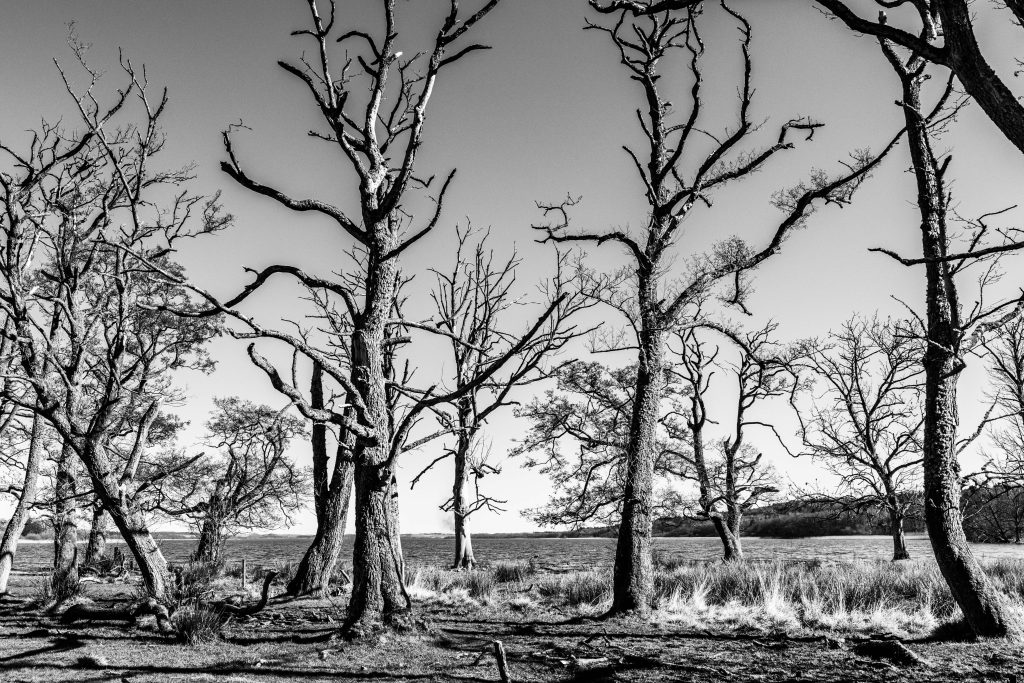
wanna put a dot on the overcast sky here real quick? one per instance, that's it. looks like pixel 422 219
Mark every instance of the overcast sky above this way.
pixel 543 114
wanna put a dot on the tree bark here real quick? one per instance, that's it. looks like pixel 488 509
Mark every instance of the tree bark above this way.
pixel 978 78
pixel 29 490
pixel 378 595
pixel 464 558
pixel 65 529
pixel 633 581
pixel 899 541
pixel 974 593
pixel 97 547
pixel 128 519
pixel 331 496
pixel 211 542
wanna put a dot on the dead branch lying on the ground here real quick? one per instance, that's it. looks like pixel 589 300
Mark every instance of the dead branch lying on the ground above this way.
pixel 151 606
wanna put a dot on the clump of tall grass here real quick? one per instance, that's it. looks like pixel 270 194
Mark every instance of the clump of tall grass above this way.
pixel 198 624
pixel 191 584
pixel 514 572
pixel 576 589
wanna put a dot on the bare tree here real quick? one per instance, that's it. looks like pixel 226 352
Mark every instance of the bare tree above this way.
pixel 678 177
pixel 737 479
pixel 81 321
pixel 473 301
pixel 251 485
pixel 381 144
pixel 950 333
pixel 865 417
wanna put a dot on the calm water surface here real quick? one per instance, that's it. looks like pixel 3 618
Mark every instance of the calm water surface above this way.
pixel 552 553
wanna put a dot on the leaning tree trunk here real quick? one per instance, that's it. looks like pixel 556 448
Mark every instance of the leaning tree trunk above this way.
pixel 65 528
pixel 331 498
pixel 378 595
pixel 29 489
pixel 971 588
pixel 127 518
pixel 97 547
pixel 633 581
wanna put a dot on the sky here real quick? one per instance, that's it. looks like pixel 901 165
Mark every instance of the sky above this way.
pixel 541 115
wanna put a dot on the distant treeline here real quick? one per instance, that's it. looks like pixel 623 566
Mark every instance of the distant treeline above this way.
pixel 789 519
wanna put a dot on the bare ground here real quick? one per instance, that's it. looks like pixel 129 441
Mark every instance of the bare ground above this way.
pixel 298 640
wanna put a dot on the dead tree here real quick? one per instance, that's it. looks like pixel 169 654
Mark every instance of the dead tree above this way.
pixel 80 311
pixel 678 177
pixel 950 333
pixel 946 37
pixel 864 418
pixel 380 143
pixel 736 479
pixel 472 301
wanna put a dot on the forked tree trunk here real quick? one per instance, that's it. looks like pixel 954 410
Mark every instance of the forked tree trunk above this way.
pixel 97 547
pixel 633 581
pixel 129 520
pixel 65 527
pixel 331 496
pixel 972 590
pixel 729 533
pixel 29 489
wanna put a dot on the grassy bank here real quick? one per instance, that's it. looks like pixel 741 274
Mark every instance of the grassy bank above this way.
pixel 903 598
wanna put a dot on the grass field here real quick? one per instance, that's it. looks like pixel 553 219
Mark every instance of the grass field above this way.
pixel 769 621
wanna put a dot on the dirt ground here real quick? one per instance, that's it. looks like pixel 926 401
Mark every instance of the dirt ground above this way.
pixel 298 640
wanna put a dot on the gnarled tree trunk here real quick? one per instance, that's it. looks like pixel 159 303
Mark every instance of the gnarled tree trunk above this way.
pixel 29 489
pixel 633 581
pixel 464 558
pixel 211 542
pixel 97 547
pixel 378 589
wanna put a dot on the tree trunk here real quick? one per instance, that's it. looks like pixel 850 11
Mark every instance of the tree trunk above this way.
pixel 29 489
pixel 633 581
pixel 129 520
pixel 732 547
pixel 65 529
pixel 899 541
pixel 378 595
pixel 972 590
pixel 211 541
pixel 378 592
pixel 314 573
pixel 464 558
pixel 331 496
pixel 97 547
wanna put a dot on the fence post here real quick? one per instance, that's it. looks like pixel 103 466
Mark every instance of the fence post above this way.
pixel 245 571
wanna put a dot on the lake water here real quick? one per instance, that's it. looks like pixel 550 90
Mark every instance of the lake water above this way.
pixel 551 553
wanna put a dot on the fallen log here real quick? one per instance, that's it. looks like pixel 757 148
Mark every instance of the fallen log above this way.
pixel 230 610
pixel 147 607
